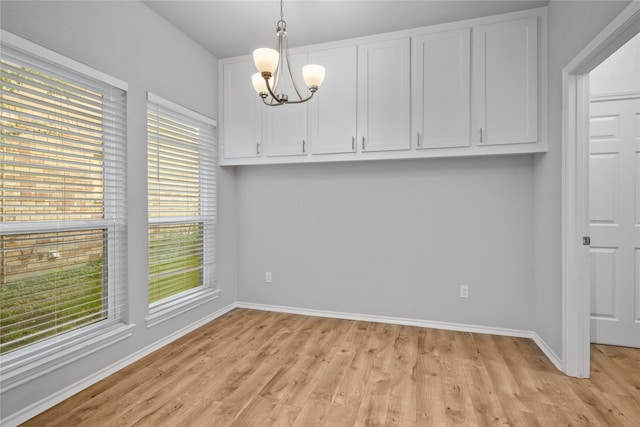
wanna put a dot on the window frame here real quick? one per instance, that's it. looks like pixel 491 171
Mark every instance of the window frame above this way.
pixel 177 304
pixel 26 363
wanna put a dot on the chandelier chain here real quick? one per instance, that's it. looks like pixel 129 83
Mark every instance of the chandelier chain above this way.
pixel 282 24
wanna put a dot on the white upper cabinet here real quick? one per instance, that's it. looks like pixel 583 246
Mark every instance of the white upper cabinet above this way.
pixel 384 95
pixel 506 82
pixel 285 126
pixel 241 130
pixel 332 111
pixel 441 95
pixel 469 88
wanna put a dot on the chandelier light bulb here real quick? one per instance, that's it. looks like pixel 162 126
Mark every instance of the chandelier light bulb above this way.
pixel 259 83
pixel 266 59
pixel 313 75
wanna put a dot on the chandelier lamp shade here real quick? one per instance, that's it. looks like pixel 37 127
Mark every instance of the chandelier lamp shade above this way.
pixel 274 64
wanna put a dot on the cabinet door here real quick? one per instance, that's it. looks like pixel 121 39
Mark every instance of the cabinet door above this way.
pixel 286 125
pixel 384 95
pixel 441 97
pixel 242 115
pixel 506 83
pixel 332 112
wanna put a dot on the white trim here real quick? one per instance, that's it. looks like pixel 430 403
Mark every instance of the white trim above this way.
pixel 620 96
pixel 24 227
pixel 449 326
pixel 24 45
pixel 52 400
pixel 575 295
pixel 25 369
pixel 172 307
pixel 167 220
pixel 460 327
pixel 155 99
pixel 575 119
pixel 551 355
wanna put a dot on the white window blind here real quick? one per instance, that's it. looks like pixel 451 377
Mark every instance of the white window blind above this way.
pixel 62 201
pixel 182 200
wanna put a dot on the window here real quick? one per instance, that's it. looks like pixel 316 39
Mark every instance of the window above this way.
pixel 62 201
pixel 182 203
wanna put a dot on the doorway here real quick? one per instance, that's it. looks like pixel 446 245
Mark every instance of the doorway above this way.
pixel 576 289
pixel 614 197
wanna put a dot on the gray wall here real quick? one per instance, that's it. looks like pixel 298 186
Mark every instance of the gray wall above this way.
pixel 572 25
pixel 129 42
pixel 391 238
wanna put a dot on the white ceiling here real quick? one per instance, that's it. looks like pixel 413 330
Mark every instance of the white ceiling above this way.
pixel 236 27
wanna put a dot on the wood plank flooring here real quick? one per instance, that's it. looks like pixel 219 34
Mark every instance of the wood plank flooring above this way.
pixel 258 368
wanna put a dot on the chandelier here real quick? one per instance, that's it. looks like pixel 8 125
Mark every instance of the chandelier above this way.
pixel 271 66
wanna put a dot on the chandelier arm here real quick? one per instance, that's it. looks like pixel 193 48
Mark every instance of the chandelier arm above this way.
pixel 293 80
pixel 273 95
pixel 301 100
pixel 271 104
pixel 277 72
pixel 275 101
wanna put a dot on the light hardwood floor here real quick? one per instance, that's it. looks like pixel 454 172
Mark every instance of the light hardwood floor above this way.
pixel 258 368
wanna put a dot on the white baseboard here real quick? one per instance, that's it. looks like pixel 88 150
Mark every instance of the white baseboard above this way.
pixel 52 400
pixel 460 327
pixel 557 362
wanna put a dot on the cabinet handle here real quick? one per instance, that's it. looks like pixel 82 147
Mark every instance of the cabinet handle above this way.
pixel 363 143
pixel 304 146
pixel 418 139
pixel 353 143
pixel 481 136
pixel 258 148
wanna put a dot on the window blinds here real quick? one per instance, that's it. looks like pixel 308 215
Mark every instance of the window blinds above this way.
pixel 182 199
pixel 62 194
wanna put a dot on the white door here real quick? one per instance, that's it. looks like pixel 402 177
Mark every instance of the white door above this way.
pixel 614 192
pixel 384 103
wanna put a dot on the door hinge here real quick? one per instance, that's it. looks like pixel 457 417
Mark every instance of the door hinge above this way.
pixel 586 241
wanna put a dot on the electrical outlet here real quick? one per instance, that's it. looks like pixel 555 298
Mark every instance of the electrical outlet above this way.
pixel 267 277
pixel 464 291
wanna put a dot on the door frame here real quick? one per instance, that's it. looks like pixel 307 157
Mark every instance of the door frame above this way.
pixel 576 292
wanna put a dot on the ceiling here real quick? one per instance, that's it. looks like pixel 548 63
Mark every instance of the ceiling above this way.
pixel 236 27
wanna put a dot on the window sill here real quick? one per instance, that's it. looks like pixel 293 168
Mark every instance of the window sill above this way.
pixel 164 311
pixel 25 365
